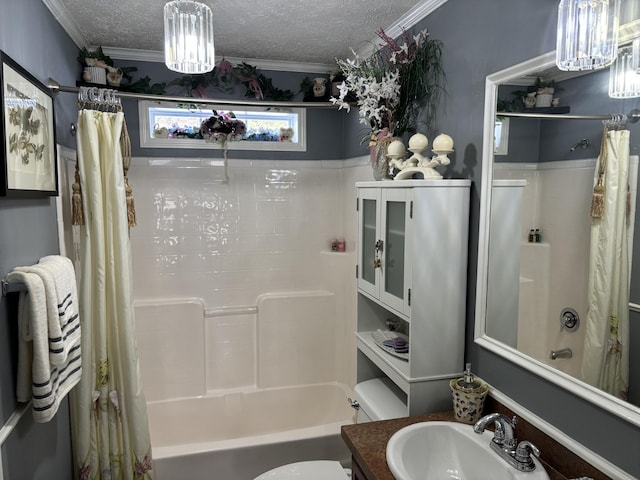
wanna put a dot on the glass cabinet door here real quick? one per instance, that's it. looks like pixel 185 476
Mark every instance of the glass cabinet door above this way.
pixel 383 224
pixel 394 249
pixel 395 225
pixel 368 240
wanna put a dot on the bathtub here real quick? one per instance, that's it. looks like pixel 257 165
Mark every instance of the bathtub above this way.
pixel 237 436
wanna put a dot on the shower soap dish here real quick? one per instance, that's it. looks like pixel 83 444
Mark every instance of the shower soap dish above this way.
pixel 468 397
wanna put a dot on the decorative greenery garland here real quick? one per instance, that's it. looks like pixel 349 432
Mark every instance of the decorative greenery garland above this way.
pixel 224 76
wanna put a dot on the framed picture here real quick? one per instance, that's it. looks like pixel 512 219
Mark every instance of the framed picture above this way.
pixel 28 164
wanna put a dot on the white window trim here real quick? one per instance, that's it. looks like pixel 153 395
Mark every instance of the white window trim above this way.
pixel 147 141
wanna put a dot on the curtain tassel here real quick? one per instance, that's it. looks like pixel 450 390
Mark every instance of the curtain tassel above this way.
pixel 77 211
pixel 597 200
pixel 125 146
pixel 131 207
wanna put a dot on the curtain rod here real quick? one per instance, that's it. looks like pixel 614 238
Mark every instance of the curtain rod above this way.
pixel 632 117
pixel 55 87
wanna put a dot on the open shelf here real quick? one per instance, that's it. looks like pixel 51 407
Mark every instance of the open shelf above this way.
pixel 396 368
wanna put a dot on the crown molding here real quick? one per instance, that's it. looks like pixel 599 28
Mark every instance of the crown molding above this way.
pixel 407 21
pixel 279 65
pixel 133 54
pixel 61 14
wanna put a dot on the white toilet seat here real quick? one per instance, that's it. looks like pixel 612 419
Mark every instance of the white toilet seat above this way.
pixel 312 470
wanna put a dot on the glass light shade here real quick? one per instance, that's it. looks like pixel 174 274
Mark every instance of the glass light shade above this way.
pixel 587 36
pixel 635 59
pixel 188 37
pixel 624 82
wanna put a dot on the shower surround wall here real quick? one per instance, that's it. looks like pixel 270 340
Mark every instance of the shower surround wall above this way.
pixel 234 282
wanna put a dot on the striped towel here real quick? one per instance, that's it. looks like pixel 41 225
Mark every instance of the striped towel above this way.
pixel 65 318
pixel 49 363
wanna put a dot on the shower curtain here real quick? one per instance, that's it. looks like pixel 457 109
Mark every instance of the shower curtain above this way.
pixel 606 354
pixel 108 410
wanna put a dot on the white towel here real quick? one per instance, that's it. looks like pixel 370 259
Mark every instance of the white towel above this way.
pixel 33 346
pixel 39 378
pixel 59 280
pixel 61 268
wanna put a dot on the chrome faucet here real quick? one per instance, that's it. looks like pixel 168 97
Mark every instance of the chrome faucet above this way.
pixel 505 443
pixel 562 353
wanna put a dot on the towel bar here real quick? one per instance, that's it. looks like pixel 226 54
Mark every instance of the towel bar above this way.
pixel 9 287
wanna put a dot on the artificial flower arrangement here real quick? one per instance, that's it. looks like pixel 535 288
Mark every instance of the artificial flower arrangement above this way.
pixel 393 86
pixel 221 127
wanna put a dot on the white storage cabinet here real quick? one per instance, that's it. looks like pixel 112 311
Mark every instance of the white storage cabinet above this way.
pixel 412 270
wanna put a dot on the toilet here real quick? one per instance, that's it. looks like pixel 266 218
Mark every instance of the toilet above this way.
pixel 313 470
pixel 374 400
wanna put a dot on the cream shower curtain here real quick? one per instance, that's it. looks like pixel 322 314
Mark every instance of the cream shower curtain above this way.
pixel 606 354
pixel 108 409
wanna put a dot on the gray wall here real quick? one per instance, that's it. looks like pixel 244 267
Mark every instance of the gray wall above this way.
pixel 30 35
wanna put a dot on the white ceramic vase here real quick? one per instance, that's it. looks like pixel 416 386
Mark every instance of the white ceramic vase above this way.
pixel 543 100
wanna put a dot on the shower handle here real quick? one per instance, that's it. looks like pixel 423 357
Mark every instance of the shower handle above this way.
pixel 569 319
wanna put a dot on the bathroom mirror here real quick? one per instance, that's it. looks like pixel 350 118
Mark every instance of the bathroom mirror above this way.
pixel 508 212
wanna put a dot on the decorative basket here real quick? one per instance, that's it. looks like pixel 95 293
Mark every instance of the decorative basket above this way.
pixel 468 402
pixel 96 75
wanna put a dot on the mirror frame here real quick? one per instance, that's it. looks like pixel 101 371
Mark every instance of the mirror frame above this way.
pixel 608 402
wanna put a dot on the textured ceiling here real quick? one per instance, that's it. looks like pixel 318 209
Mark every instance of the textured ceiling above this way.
pixel 303 31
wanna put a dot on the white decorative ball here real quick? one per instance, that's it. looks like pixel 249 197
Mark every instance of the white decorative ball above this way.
pixel 443 142
pixel 396 149
pixel 418 142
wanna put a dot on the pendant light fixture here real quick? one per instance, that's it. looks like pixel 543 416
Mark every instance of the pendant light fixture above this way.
pixel 587 37
pixel 188 37
pixel 624 81
pixel 635 59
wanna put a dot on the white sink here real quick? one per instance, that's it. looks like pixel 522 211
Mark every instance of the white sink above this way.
pixel 450 450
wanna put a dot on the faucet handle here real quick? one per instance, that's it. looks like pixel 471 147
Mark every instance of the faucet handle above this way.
pixel 498 434
pixel 524 450
pixel 505 431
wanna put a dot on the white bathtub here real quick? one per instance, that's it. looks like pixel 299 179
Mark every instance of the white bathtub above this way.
pixel 237 436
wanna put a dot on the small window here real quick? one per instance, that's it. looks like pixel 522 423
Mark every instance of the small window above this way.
pixel 177 125
pixel 501 136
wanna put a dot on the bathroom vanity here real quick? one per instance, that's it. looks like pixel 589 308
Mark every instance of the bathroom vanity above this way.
pixel 411 272
pixel 368 443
